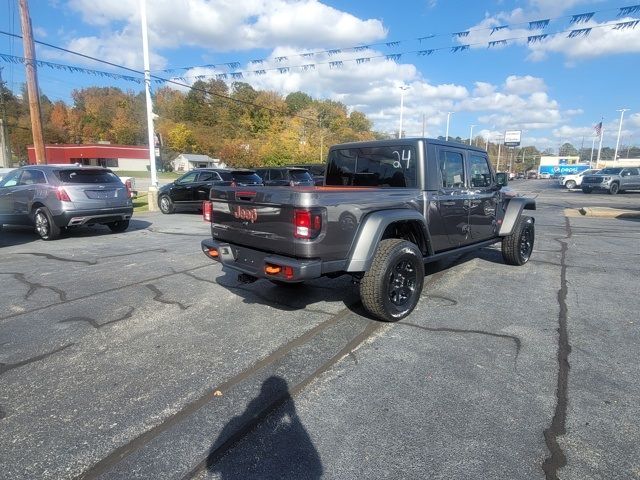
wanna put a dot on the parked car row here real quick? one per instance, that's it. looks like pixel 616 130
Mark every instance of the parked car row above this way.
pixel 192 188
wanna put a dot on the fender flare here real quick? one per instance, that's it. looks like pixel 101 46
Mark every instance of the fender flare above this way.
pixel 513 212
pixel 370 235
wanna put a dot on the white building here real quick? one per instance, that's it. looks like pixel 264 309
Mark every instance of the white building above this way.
pixel 188 161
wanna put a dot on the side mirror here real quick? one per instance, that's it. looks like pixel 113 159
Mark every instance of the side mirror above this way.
pixel 501 179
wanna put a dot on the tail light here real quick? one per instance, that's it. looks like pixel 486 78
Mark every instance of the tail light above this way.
pixel 127 185
pixel 307 223
pixel 62 195
pixel 207 211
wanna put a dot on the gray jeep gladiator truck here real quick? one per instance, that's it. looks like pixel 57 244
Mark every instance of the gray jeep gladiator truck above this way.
pixel 386 208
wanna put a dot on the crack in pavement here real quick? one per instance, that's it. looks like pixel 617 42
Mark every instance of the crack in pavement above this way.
pixel 557 458
pixel 60 259
pixel 34 286
pixel 3 413
pixel 94 323
pixel 5 367
pixel 513 338
pixel 159 250
pixel 158 297
pixel 94 294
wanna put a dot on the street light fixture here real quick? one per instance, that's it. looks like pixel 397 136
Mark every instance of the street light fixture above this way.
pixel 471 134
pixel 403 88
pixel 448 118
pixel 615 155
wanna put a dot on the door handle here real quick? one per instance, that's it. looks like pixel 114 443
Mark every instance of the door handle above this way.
pixel 448 204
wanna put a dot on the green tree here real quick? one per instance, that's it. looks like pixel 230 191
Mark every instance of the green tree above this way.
pixel 181 139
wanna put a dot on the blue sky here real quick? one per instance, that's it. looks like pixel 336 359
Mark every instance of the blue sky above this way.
pixel 555 90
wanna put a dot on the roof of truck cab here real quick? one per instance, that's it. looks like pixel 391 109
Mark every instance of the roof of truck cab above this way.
pixel 406 141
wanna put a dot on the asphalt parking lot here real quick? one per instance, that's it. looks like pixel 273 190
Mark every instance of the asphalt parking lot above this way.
pixel 133 356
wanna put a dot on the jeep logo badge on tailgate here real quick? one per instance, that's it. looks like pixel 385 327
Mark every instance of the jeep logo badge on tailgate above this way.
pixel 250 214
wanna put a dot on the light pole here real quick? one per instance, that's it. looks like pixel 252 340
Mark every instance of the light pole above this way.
pixel 448 118
pixel 147 89
pixel 615 155
pixel 402 90
pixel 471 134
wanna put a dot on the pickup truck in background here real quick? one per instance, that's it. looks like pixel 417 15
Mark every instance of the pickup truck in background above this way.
pixel 612 180
pixel 386 208
pixel 574 180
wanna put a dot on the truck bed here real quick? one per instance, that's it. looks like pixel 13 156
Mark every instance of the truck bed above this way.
pixel 263 218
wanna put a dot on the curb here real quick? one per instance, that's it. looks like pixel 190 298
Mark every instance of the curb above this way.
pixel 602 212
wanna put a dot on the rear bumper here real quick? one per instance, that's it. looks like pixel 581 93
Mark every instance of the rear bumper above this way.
pixel 253 262
pixel 74 218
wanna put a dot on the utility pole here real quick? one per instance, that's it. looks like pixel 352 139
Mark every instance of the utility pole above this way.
pixel 32 82
pixel 424 121
pixel 5 149
pixel 471 134
pixel 153 189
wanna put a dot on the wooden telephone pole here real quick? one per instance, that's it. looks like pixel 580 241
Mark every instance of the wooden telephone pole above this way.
pixel 32 82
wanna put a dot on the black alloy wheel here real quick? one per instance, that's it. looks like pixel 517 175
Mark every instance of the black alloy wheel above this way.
pixel 402 282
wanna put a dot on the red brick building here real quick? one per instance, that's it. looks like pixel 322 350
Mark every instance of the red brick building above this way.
pixel 116 157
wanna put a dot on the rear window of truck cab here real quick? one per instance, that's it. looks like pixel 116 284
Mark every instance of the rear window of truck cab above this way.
pixel 383 166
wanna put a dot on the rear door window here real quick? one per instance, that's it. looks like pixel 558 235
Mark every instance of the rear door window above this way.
pixel 32 177
pixel 86 176
pixel 188 178
pixel 451 169
pixel 208 177
pixel 383 166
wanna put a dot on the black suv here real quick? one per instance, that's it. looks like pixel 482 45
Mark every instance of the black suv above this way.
pixel 317 171
pixel 191 189
pixel 286 176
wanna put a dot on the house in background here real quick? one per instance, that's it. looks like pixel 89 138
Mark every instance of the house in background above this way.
pixel 188 161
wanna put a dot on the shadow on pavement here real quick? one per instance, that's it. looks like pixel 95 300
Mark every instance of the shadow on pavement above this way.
pixel 11 235
pixel 291 297
pixel 283 449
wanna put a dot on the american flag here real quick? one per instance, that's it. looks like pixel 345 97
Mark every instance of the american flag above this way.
pixel 598 129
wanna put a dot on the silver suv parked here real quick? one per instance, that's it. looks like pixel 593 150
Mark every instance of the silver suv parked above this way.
pixel 55 197
pixel 612 180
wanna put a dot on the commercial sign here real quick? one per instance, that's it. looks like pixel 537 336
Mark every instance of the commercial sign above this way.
pixel 512 138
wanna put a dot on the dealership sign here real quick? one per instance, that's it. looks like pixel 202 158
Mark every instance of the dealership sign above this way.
pixel 512 138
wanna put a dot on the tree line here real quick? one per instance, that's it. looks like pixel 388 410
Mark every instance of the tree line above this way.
pixel 236 123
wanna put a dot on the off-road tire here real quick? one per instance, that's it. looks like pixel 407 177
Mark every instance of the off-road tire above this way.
pixel 586 190
pixel 614 188
pixel 166 205
pixel 397 271
pixel 45 226
pixel 517 247
pixel 119 226
pixel 571 184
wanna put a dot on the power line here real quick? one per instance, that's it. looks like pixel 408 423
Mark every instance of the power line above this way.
pixel 139 72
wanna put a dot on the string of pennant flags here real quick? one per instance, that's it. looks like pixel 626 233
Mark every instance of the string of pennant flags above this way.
pixel 532 25
pixel 335 63
pixel 395 57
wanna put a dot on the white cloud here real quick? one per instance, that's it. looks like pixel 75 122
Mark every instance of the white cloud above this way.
pixel 222 25
pixel 523 85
